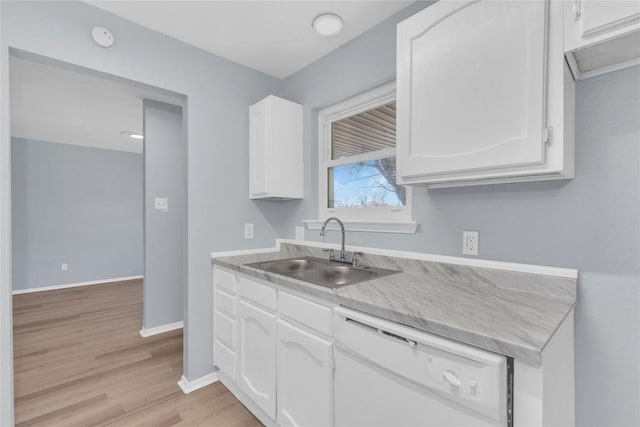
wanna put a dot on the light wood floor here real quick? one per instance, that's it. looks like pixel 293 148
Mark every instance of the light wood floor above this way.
pixel 79 360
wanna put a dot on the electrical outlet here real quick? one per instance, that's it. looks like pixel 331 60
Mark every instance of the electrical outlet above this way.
pixel 161 204
pixel 299 232
pixel 64 266
pixel 248 231
pixel 470 242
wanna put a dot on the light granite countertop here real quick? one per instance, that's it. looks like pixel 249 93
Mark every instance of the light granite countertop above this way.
pixel 508 312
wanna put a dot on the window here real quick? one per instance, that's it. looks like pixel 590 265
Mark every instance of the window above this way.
pixel 357 163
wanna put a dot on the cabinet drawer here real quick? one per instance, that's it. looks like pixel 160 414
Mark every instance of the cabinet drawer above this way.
pixel 224 280
pixel 225 330
pixel 257 292
pixel 225 303
pixel 225 359
pixel 306 312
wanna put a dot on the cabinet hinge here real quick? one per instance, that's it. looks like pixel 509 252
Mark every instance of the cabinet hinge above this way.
pixel 547 135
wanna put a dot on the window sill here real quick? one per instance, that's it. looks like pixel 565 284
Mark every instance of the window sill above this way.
pixel 400 227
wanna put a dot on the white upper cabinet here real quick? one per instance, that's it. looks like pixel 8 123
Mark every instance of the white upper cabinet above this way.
pixel 275 149
pixel 601 35
pixel 482 94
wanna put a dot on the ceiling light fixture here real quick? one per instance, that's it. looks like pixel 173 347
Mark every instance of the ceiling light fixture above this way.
pixel 132 135
pixel 327 24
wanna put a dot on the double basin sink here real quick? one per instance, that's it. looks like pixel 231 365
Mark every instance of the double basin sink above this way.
pixel 322 272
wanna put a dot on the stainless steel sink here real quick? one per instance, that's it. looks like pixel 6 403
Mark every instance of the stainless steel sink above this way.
pixel 291 265
pixel 335 276
pixel 322 272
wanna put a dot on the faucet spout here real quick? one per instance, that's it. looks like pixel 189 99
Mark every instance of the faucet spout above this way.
pixel 324 226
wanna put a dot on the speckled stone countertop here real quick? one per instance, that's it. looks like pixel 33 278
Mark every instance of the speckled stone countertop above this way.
pixel 508 312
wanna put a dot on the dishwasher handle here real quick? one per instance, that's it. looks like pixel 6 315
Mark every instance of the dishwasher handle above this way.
pixel 405 340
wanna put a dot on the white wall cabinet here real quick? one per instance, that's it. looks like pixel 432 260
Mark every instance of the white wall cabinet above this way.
pixel 305 377
pixel 482 96
pixel 275 149
pixel 601 35
pixel 257 355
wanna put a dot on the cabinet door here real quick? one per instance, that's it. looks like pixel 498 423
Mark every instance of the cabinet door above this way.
pixel 471 88
pixel 591 21
pixel 257 356
pixel 305 378
pixel 258 149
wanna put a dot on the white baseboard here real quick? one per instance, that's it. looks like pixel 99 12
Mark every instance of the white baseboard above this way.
pixel 189 386
pixel 74 285
pixel 147 332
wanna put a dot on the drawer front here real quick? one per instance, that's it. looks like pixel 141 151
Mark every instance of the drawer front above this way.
pixel 225 303
pixel 257 292
pixel 225 330
pixel 308 313
pixel 225 359
pixel 223 279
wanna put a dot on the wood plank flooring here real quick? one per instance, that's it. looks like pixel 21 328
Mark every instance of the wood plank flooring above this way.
pixel 79 360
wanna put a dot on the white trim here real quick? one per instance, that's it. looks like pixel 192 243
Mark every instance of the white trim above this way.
pixel 246 251
pixel 74 285
pixel 189 386
pixel 482 263
pixel 147 332
pixel 357 104
pixel 404 227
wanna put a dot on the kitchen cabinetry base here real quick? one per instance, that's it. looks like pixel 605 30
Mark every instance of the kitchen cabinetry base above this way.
pixel 246 401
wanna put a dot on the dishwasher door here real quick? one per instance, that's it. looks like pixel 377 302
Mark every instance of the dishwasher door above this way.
pixel 388 374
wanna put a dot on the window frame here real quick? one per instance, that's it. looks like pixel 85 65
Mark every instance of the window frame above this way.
pixel 365 217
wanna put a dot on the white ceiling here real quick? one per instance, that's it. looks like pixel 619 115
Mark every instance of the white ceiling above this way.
pixel 54 104
pixel 274 37
pixel 64 105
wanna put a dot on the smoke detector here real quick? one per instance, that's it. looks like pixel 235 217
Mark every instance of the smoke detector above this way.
pixel 102 36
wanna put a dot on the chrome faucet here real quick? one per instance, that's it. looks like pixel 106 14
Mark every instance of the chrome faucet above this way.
pixel 324 226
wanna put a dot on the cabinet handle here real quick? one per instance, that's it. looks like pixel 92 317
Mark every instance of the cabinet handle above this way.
pixel 577 9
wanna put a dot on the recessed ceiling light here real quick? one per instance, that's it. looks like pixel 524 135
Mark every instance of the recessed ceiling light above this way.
pixel 327 24
pixel 132 135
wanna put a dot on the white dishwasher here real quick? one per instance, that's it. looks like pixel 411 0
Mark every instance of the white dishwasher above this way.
pixel 391 375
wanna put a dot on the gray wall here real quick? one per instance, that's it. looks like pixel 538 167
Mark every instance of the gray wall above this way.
pixel 165 232
pixel 6 342
pixel 218 94
pixel 78 205
pixel 591 223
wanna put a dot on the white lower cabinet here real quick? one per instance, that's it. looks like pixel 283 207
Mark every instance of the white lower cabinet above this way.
pixel 305 377
pixel 257 355
pixel 224 339
pixel 281 354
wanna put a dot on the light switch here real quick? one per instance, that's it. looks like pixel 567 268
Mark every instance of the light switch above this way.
pixel 64 266
pixel 248 231
pixel 162 204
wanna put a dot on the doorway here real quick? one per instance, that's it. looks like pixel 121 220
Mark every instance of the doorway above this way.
pixel 82 212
